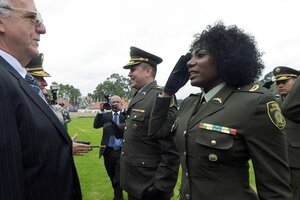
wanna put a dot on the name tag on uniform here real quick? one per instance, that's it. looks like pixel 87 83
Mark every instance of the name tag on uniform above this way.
pixel 217 128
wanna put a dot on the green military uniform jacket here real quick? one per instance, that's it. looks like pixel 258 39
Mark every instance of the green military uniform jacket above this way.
pixel 217 139
pixel 291 111
pixel 291 104
pixel 147 160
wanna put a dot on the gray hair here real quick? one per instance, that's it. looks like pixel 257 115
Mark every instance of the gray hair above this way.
pixel 145 65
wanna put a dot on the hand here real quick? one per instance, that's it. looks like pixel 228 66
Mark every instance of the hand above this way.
pixel 152 193
pixel 179 75
pixel 78 148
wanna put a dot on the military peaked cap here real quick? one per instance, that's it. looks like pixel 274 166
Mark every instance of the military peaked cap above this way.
pixel 35 66
pixel 138 56
pixel 284 73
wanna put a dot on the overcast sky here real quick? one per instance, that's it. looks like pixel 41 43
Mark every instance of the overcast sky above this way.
pixel 87 41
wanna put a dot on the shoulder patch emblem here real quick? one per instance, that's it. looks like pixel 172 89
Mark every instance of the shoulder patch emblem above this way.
pixel 275 115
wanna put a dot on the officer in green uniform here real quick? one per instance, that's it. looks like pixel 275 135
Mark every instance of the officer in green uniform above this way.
pixel 288 86
pixel 231 122
pixel 35 68
pixel 284 79
pixel 149 165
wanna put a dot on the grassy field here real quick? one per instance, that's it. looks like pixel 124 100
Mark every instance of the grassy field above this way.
pixel 94 181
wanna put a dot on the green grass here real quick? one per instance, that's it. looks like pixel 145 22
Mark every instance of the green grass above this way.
pixel 95 184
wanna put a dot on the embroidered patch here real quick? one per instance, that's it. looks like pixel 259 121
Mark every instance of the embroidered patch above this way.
pixel 221 129
pixel 275 115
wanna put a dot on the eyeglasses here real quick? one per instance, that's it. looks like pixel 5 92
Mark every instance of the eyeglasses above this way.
pixel 34 16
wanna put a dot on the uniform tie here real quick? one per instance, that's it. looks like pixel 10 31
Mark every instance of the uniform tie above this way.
pixel 32 82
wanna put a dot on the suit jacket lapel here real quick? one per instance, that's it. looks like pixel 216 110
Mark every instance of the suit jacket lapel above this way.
pixel 35 98
pixel 141 95
pixel 214 105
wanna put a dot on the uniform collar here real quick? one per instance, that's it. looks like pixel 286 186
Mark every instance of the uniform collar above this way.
pixel 211 93
pixel 14 63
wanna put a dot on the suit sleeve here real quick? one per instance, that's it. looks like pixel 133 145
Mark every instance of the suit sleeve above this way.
pixel 291 104
pixel 167 172
pixel 99 120
pixel 267 147
pixel 162 116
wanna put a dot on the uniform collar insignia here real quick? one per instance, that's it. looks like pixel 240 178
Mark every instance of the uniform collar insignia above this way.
pixel 218 99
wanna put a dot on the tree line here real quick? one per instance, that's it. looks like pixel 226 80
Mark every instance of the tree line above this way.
pixel 114 85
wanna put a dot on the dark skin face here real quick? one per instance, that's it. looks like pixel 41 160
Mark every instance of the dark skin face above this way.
pixel 203 72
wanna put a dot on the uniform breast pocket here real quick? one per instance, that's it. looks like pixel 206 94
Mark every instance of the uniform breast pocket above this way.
pixel 137 115
pixel 144 163
pixel 214 146
pixel 295 144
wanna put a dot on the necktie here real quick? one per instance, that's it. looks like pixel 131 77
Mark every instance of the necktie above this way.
pixel 32 82
pixel 115 118
pixel 201 101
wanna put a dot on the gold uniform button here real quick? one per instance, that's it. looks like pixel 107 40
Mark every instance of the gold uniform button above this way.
pixel 186 174
pixel 184 133
pixel 122 152
pixel 213 142
pixel 213 157
pixel 184 153
pixel 123 140
pixel 125 128
pixel 143 163
pixel 134 116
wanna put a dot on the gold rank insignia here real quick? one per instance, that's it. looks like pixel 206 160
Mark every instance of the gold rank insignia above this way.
pixel 254 88
pixel 275 115
pixel 218 99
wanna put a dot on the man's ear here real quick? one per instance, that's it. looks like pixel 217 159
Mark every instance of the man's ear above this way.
pixel 149 70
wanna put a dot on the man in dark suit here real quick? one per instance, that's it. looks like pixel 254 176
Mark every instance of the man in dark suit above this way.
pixel 111 145
pixel 36 151
pixel 149 165
pixel 289 88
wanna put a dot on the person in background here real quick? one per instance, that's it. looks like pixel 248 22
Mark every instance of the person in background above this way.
pixel 232 121
pixel 149 165
pixel 284 79
pixel 36 151
pixel 111 145
pixel 66 116
pixel 288 86
pixel 35 68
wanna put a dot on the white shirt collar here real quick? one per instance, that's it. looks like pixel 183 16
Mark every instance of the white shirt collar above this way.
pixel 113 112
pixel 213 92
pixel 14 63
